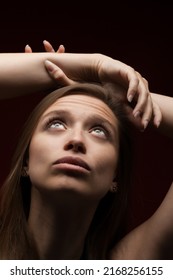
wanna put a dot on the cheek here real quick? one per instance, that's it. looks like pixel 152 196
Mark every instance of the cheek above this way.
pixel 39 152
pixel 36 150
pixel 110 166
pixel 107 163
pixel 42 146
pixel 106 172
pixel 39 161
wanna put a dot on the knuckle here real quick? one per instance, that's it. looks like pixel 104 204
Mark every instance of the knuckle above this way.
pixel 58 74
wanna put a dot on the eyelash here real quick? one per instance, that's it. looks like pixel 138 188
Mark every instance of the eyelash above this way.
pixel 53 120
pixel 101 127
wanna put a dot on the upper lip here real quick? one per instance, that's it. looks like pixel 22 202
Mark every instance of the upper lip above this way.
pixel 73 160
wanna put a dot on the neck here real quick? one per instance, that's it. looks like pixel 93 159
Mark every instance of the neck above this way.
pixel 59 226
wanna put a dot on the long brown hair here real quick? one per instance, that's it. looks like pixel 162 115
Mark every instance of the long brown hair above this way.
pixel 15 240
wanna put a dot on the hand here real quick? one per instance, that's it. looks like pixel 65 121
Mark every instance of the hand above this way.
pixel 137 91
pixel 107 71
pixel 48 48
pixel 58 74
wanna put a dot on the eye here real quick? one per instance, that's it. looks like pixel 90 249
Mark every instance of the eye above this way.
pixel 99 131
pixel 55 124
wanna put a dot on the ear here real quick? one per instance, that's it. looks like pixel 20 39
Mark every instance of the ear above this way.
pixel 114 187
pixel 25 171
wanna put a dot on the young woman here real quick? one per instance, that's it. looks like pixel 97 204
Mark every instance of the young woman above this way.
pixel 25 73
pixel 157 231
pixel 66 194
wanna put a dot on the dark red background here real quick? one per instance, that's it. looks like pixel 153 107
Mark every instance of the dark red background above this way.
pixel 139 34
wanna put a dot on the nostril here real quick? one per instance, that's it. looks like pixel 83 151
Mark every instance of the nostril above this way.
pixel 81 149
pixel 76 146
pixel 70 147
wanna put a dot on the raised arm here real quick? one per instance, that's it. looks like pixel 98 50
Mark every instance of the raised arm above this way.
pixel 22 73
pixel 25 73
pixel 166 106
pixel 153 239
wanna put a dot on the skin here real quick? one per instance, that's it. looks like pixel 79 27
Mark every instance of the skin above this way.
pixel 32 68
pixel 147 104
pixel 43 72
pixel 165 104
pixel 153 239
pixel 66 192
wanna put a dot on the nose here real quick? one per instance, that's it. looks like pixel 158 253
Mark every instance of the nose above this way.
pixel 75 143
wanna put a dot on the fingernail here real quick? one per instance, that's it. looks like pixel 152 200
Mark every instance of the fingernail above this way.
pixel 28 47
pixel 145 124
pixel 157 123
pixel 130 98
pixel 137 114
pixel 49 65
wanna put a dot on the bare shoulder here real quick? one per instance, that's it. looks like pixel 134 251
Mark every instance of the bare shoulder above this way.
pixel 153 239
pixel 144 244
pixel 135 245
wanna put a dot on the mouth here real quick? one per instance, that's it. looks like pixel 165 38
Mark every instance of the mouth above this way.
pixel 75 163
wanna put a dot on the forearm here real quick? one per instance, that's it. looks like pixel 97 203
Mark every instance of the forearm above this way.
pixel 166 105
pixel 22 73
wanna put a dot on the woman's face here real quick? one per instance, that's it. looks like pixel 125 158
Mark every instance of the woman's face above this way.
pixel 75 147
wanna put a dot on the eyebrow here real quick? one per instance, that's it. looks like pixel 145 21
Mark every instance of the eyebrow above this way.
pixel 55 112
pixel 92 118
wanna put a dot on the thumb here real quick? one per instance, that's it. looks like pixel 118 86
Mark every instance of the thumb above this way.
pixel 57 74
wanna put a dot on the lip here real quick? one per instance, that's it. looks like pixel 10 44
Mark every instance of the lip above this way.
pixel 72 163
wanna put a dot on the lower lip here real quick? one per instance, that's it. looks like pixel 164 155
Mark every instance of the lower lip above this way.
pixel 70 167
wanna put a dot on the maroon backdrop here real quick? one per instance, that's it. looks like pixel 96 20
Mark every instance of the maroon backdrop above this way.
pixel 139 36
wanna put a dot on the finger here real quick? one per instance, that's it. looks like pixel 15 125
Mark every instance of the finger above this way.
pixel 157 115
pixel 48 47
pixel 28 49
pixel 130 80
pixel 147 114
pixel 133 87
pixel 61 49
pixel 136 122
pixel 137 85
pixel 142 99
pixel 57 74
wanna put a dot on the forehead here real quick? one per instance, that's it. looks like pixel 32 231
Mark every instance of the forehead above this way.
pixel 83 103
